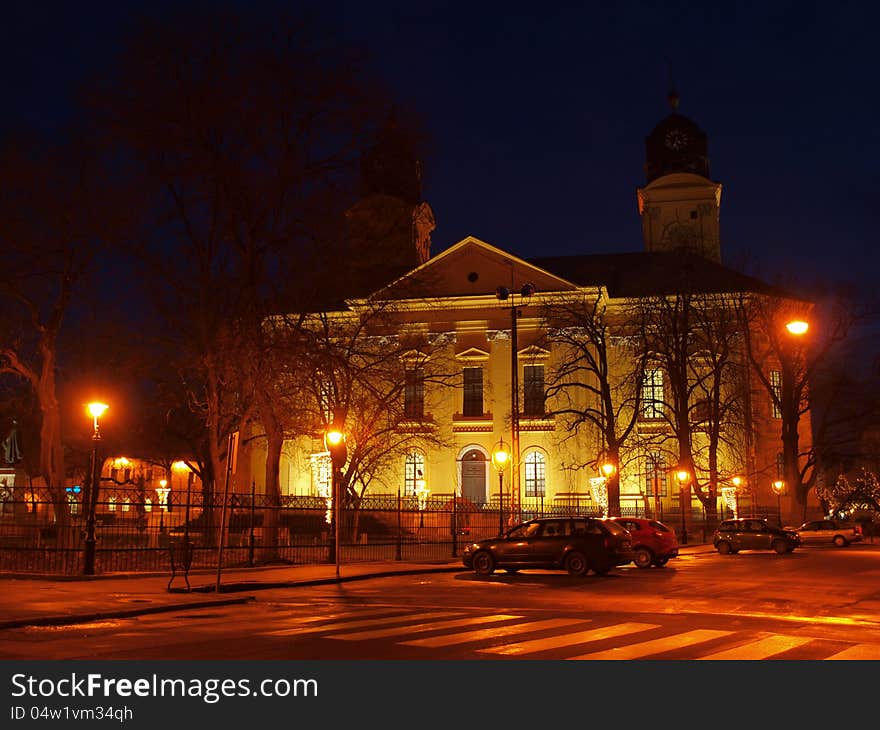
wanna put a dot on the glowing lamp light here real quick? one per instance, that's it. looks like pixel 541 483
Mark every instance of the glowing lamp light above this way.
pixel 179 466
pixel 797 327
pixel 778 486
pixel 501 455
pixel 736 481
pixel 97 409
pixel 334 438
pixel 608 469
pixel 683 476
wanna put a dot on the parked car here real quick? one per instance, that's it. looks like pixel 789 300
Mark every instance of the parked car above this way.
pixel 829 532
pixel 753 533
pixel 653 543
pixel 575 544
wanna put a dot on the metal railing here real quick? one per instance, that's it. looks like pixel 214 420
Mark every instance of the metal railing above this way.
pixel 134 532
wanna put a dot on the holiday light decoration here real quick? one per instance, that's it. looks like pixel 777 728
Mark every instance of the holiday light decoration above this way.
pixel 599 493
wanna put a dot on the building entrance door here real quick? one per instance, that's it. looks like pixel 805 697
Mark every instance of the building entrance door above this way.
pixel 473 476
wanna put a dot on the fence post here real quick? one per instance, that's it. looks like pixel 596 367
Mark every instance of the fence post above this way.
pixel 253 517
pixel 398 555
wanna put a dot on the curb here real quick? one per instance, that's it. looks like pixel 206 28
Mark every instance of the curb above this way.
pixel 262 585
pixel 121 613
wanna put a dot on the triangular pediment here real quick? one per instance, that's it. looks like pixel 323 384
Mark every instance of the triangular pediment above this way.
pixel 471 268
pixel 472 354
pixel 533 352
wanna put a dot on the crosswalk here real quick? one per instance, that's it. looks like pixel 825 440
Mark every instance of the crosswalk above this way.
pixel 512 635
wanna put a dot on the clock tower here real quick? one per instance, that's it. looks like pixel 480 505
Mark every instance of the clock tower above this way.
pixel 389 227
pixel 679 204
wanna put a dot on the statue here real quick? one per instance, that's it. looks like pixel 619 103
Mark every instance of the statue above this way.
pixel 423 224
pixel 11 450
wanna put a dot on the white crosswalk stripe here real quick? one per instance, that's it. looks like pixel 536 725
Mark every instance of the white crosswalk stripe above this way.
pixel 760 649
pixel 657 646
pixel 390 622
pixel 578 637
pixel 495 632
pixel 858 651
pixel 419 628
pixel 360 624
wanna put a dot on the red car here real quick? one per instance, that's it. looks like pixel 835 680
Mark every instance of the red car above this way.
pixel 652 542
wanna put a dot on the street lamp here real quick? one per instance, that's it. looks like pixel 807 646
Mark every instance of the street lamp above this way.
pixel 422 496
pixel 778 488
pixel 683 477
pixel 96 410
pixel 334 440
pixel 162 492
pixel 797 327
pixel 503 294
pixel 500 460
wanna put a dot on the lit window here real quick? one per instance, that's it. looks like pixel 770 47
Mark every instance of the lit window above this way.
pixel 148 504
pixel 414 470
pixel 776 387
pixel 533 390
pixel 111 504
pixel 536 469
pixel 414 393
pixel 74 505
pixel 652 394
pixel 126 505
pixel 655 475
pixel 473 392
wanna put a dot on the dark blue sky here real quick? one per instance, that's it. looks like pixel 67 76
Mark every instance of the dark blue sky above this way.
pixel 538 113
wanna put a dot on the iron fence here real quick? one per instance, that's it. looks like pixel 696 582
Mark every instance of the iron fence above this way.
pixel 134 532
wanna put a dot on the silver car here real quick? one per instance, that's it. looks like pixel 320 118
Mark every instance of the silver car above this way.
pixel 829 532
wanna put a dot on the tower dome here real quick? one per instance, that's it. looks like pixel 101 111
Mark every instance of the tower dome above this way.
pixel 676 144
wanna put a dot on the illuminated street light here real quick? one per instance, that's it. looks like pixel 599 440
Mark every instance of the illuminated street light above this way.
pixel 778 488
pixel 797 327
pixel 162 491
pixel 334 440
pixel 96 410
pixel 500 460
pixel 422 496
pixel 683 477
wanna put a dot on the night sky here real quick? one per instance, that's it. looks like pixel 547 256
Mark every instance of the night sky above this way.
pixel 537 114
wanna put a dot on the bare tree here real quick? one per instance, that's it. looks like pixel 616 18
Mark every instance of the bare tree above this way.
pixel 786 363
pixel 53 206
pixel 596 381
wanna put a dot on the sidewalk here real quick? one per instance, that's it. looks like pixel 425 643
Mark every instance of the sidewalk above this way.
pixel 53 601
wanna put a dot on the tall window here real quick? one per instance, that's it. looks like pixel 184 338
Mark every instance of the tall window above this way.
pixel 414 393
pixel 533 390
pixel 780 465
pixel 655 475
pixel 536 469
pixel 473 392
pixel 652 394
pixel 776 387
pixel 413 471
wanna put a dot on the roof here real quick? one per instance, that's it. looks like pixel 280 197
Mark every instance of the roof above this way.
pixel 641 274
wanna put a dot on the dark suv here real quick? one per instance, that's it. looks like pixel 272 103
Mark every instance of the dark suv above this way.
pixel 753 533
pixel 575 544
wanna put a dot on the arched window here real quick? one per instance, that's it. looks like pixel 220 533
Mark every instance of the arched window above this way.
pixel 536 468
pixel 413 471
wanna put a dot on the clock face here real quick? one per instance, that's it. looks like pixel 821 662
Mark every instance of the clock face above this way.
pixel 676 140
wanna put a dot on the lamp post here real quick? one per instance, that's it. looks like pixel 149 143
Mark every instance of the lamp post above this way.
pixel 503 294
pixel 778 488
pixel 500 460
pixel 683 477
pixel 422 496
pixel 792 383
pixel 162 491
pixel 96 410
pixel 334 440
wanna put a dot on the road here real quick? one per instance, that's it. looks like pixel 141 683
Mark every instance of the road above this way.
pixel 817 603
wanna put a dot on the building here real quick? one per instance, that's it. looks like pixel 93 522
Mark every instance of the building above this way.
pixel 479 316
